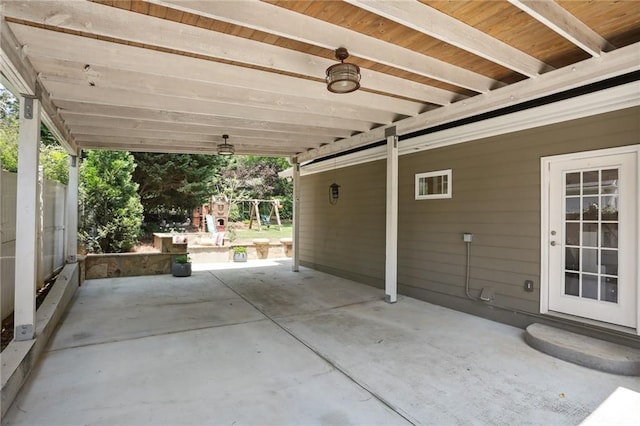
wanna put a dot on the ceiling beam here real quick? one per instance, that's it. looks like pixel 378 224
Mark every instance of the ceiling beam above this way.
pixel 118 24
pixel 288 24
pixel 235 141
pixel 19 73
pixel 99 131
pixel 134 146
pixel 86 109
pixel 618 62
pixel 42 43
pixel 22 76
pixel 123 98
pixel 79 74
pixel 94 131
pixel 434 23
pixel 87 124
pixel 564 23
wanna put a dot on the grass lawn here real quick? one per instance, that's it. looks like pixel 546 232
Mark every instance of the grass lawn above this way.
pixel 244 234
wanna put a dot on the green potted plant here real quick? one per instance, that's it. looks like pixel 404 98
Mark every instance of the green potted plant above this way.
pixel 181 266
pixel 239 254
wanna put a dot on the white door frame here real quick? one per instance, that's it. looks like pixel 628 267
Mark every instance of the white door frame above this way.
pixel 545 181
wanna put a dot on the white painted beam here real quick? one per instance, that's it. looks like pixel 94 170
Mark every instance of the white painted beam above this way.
pixel 434 23
pixel 75 73
pixel 87 109
pixel 602 102
pixel 564 23
pixel 123 98
pixel 27 220
pixel 21 75
pixel 391 229
pixel 95 132
pixel 612 99
pixel 618 62
pixel 85 133
pixel 117 126
pixel 108 21
pixel 137 142
pixel 285 23
pixel 178 149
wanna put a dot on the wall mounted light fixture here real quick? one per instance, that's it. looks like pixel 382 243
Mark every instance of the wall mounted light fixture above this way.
pixel 334 193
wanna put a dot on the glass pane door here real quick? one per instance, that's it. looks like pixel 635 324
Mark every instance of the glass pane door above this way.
pixel 591 199
pixel 590 239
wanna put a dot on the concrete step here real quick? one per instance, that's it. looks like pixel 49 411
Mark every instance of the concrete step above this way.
pixel 584 350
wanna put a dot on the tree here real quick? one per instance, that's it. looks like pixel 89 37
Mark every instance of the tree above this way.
pixel 55 163
pixel 53 157
pixel 9 115
pixel 178 182
pixel 112 212
pixel 257 178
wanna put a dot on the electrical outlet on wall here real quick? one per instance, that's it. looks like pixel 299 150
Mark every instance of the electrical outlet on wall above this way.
pixel 528 285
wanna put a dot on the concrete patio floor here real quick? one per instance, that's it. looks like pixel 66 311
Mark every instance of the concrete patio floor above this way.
pixel 257 344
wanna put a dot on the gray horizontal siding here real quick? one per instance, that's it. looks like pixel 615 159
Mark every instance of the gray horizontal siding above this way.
pixel 346 238
pixel 496 196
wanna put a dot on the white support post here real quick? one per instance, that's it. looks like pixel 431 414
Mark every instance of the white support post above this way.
pixel 71 212
pixel 295 265
pixel 1 234
pixel 27 219
pixel 391 258
pixel 40 229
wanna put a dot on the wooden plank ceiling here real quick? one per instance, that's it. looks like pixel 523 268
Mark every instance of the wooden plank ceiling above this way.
pixel 174 76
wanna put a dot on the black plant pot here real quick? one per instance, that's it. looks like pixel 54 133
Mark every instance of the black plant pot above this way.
pixel 181 269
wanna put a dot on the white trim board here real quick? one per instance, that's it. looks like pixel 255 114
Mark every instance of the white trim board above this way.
pixel 603 101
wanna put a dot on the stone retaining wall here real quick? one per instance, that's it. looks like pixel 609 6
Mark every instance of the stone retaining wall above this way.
pixel 137 264
pixel 126 265
pixel 212 254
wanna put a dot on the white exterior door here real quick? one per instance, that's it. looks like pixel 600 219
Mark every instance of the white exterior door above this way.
pixel 592 236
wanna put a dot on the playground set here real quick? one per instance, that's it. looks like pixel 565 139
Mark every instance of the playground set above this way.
pixel 213 217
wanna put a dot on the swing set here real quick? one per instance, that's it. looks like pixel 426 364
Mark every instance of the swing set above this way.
pixel 264 218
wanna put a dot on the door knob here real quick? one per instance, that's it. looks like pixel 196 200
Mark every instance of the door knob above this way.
pixel 553 243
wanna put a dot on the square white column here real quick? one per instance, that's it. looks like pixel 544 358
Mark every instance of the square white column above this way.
pixel 295 264
pixel 27 219
pixel 391 250
pixel 71 212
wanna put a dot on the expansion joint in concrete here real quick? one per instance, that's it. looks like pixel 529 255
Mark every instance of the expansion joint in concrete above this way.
pixel 322 356
pixel 166 333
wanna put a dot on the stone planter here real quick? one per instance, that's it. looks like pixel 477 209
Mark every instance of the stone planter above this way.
pixel 288 246
pixel 181 269
pixel 262 247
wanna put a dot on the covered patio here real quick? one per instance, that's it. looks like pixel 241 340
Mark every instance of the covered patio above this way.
pixel 260 344
pixel 505 82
